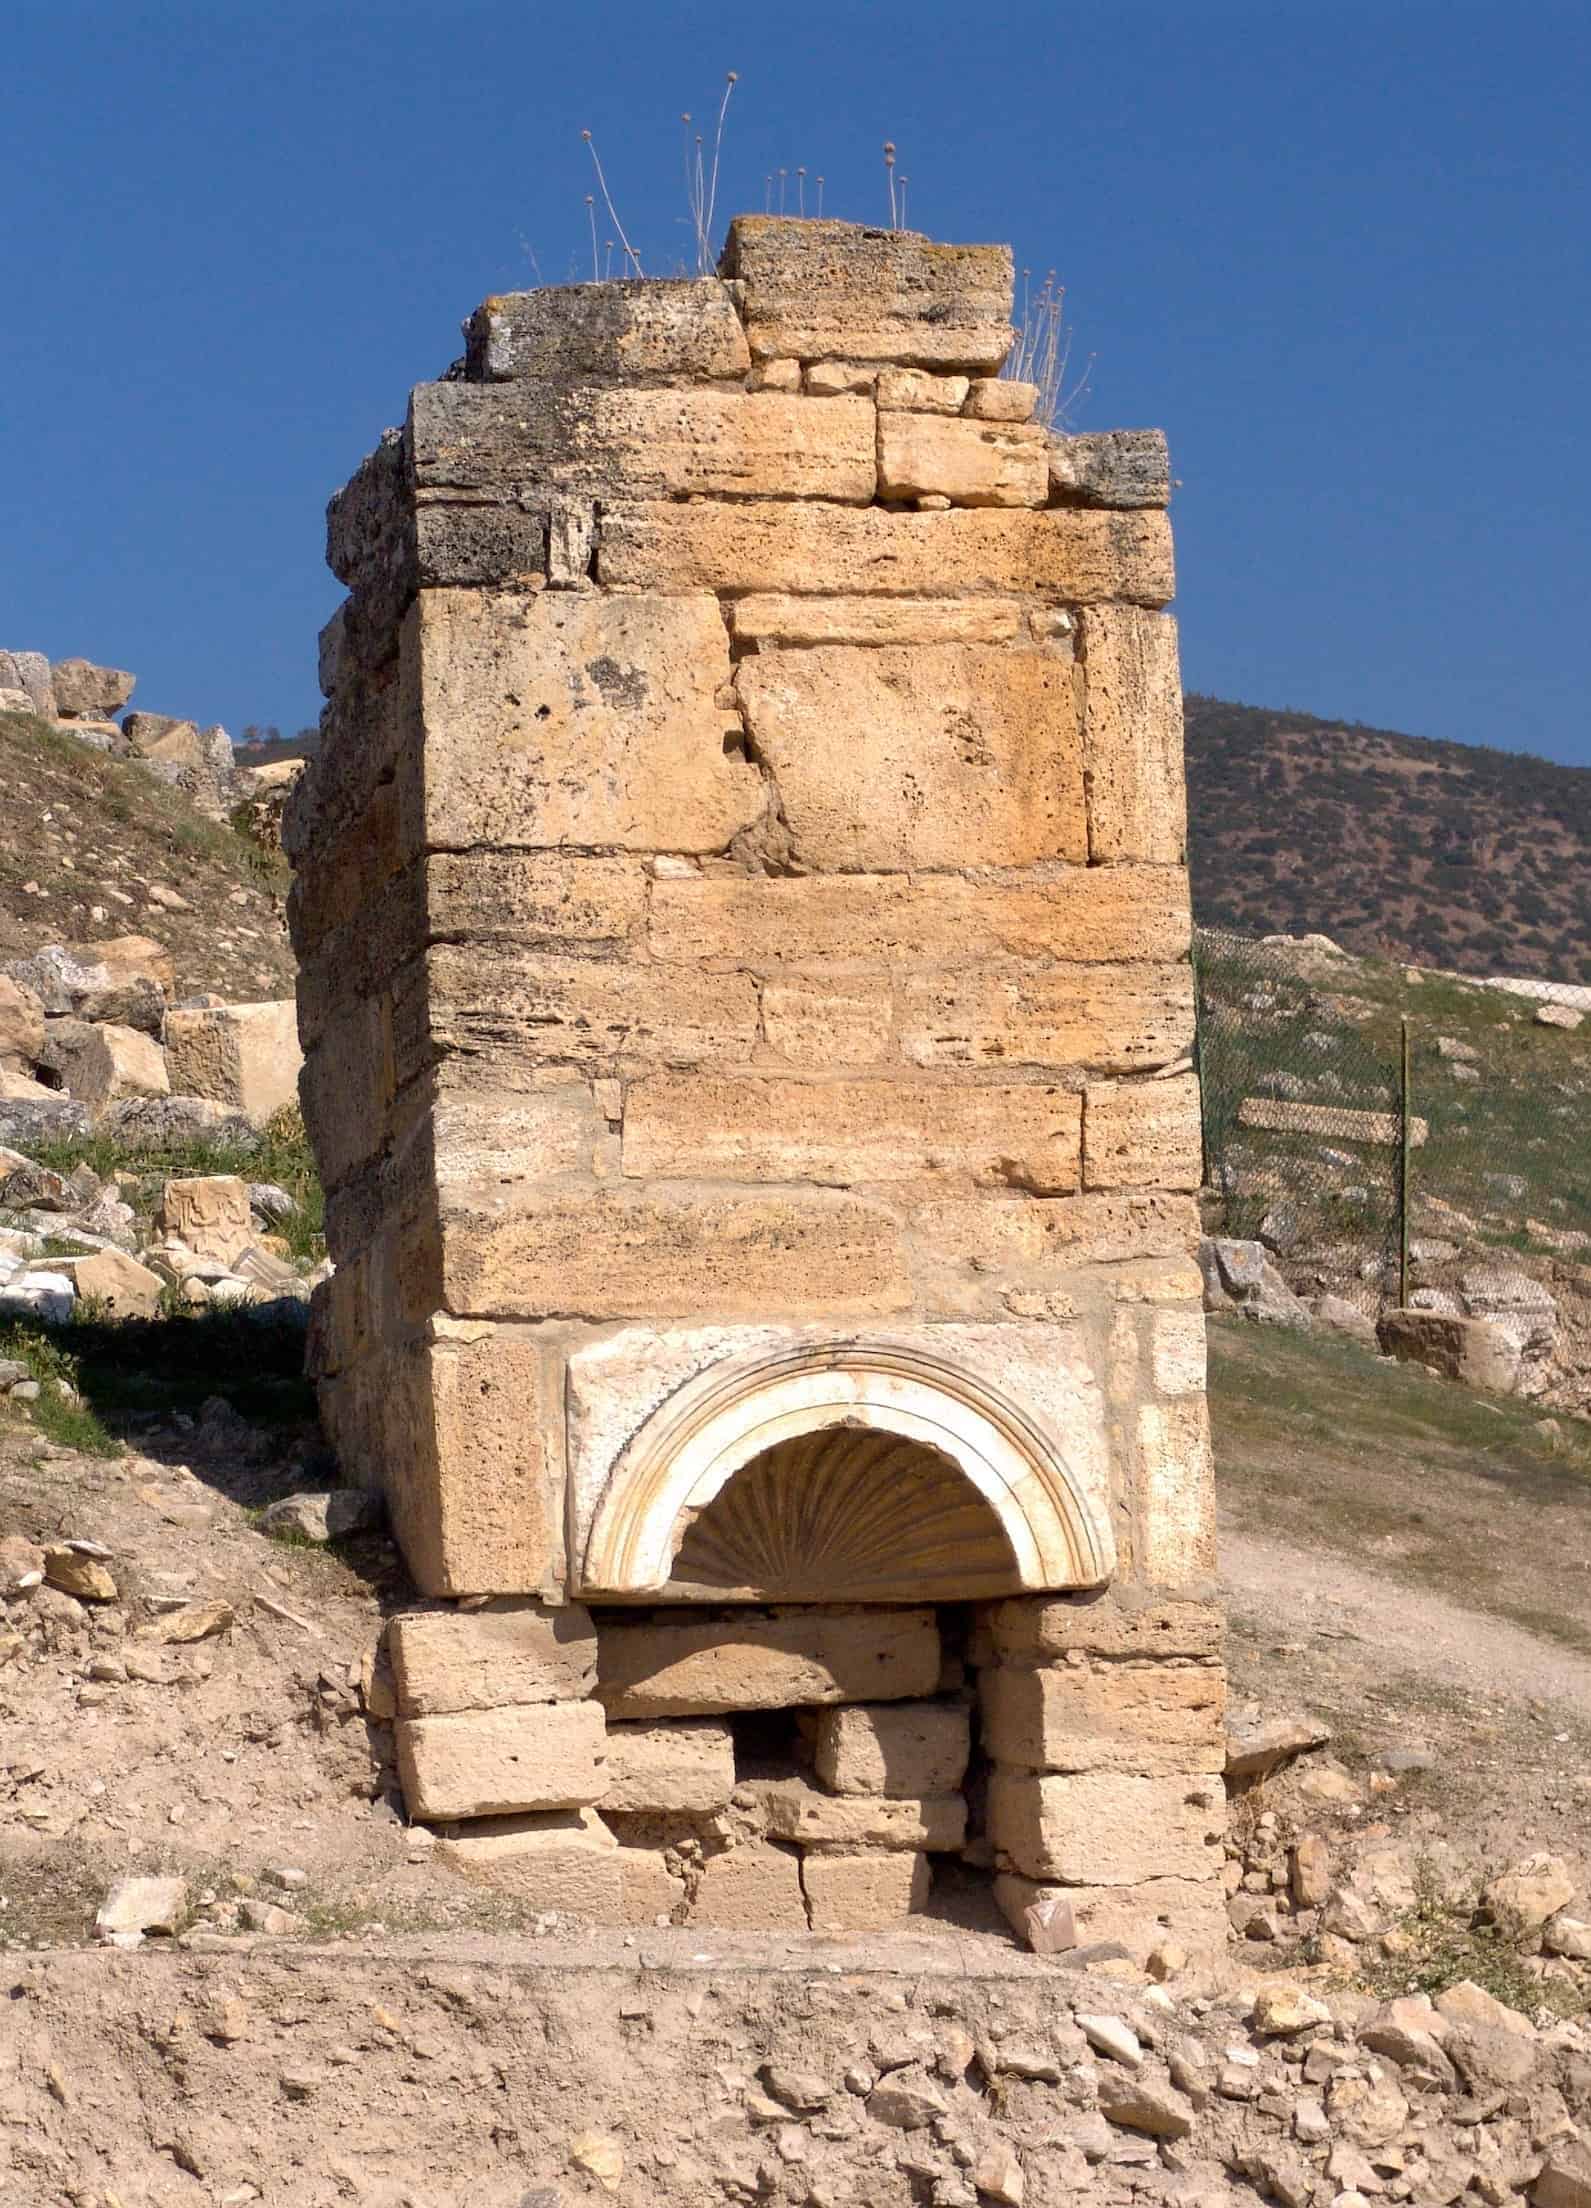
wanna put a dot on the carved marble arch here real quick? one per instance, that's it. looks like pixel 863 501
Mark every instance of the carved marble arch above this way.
pixel 843 1472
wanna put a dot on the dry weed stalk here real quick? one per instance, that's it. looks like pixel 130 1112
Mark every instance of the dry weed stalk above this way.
pixel 1043 350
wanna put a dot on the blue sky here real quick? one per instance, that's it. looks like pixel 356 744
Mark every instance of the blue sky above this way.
pixel 1339 250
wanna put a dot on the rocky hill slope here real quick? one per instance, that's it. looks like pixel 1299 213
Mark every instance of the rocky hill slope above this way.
pixel 1446 854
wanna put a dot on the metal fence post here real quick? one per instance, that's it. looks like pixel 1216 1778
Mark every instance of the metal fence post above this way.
pixel 1403 1175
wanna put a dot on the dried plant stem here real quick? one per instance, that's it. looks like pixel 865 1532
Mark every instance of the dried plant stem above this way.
pixel 1043 350
pixel 704 248
pixel 889 171
pixel 630 254
pixel 591 216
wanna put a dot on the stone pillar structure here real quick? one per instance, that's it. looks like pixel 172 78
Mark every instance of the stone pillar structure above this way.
pixel 744 928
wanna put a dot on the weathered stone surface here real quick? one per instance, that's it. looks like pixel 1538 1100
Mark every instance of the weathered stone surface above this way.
pixel 143 1905
pixel 117 1062
pixel 649 1890
pixel 786 545
pixel 490 1763
pixel 246 1056
pixel 918 391
pixel 1522 1898
pixel 21 1024
pixel 84 691
pixel 823 1024
pixel 1328 1122
pixel 1132 735
pixel 904 1750
pixel 770 618
pixel 972 463
pixel 563 1860
pixel 627 331
pixel 29 672
pixel 759 1129
pixel 796 1811
pixel 1118 1019
pixel 1141 1917
pixel 210 1214
pixel 669 1767
pixel 1112 467
pixel 119 1284
pixel 696 1666
pixel 864 1892
pixel 854 738
pixel 1565 2177
pixel 694 441
pixel 838 290
pixel 1149 1718
pixel 1107 1828
pixel 754 1888
pixel 125 980
pixel 1143 1134
pixel 1474 1351
pixel 1105 1624
pixel 519 696
pixel 512 1650
pixel 551 900
pixel 1000 399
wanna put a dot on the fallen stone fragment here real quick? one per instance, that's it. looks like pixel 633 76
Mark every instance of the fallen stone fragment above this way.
pixel 1139 2102
pixel 75 1574
pixel 269 1917
pixel 142 1905
pixel 800 2090
pixel 599 2157
pixel 997 2175
pixel 904 2104
pixel 1281 2010
pixel 1257 1745
pixel 1110 2036
pixel 1524 1896
pixel 1310 1871
pixel 1565 2180
pixel 1568 1936
pixel 195 1621
pixel 1049 1925
pixel 319 1518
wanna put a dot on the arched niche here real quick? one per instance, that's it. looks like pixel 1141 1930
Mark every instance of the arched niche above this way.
pixel 850 1471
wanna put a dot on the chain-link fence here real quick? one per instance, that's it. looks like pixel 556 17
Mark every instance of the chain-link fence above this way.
pixel 1392 1135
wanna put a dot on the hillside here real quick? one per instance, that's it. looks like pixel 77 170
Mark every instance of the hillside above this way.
pixel 1444 854
pixel 91 846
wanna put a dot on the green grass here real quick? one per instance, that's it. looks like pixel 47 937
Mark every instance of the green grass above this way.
pixel 64 1418
pixel 1448 1942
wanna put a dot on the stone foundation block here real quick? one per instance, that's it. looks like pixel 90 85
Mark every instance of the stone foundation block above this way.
pixel 1190 1912
pixel 244 1055
pixel 1106 1828
pixel 568 1861
pixel 792 1810
pixel 899 1749
pixel 1130 1717
pixel 766 1660
pixel 1104 1622
pixel 972 463
pixel 490 1763
pixel 755 1888
pixel 512 1651
pixel 866 1892
pixel 648 1889
pixel 669 1767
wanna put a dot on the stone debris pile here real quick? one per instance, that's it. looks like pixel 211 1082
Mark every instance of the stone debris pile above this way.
pixel 81 699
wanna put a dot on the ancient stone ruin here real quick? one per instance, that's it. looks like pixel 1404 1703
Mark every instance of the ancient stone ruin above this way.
pixel 744 928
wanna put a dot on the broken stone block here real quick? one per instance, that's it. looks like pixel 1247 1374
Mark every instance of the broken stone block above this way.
pixel 490 1763
pixel 899 1749
pixel 972 463
pixel 210 1215
pixel 21 1024
pixel 696 1666
pixel 511 1650
pixel 1107 1828
pixel 1139 1918
pixel 648 1888
pixel 119 1284
pixel 624 331
pixel 117 1062
pixel 1000 399
pixel 1115 467
pixel 753 1888
pixel 1477 1352
pixel 669 1767
pixel 865 1892
pixel 143 1905
pixel 246 1056
pixel 565 1860
pixel 792 1810
pixel 84 691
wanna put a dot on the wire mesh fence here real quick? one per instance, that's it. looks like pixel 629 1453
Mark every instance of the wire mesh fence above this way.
pixel 1393 1135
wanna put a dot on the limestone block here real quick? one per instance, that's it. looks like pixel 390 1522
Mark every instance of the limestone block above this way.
pixel 1071 558
pixel 536 899
pixel 899 1749
pixel 1063 913
pixel 85 692
pixel 117 1282
pixel 823 1024
pixel 209 1214
pixel 631 330
pixel 855 739
pixel 1143 1134
pixel 512 1650
pixel 1177 1352
pixel 1105 1828
pixel 1116 1018
pixel 245 1055
pixel 865 1892
pixel 503 441
pixel 519 696
pixel 754 1888
pixel 21 1024
pixel 1329 1122
pixel 1175 1479
pixel 1112 467
pixel 490 1763
pixel 1040 1240
pixel 689 1126
pixel 669 1767
pixel 1000 399
pixel 566 1860
pixel 29 672
pixel 486 1144
pixel 1475 1351
pixel 1132 735
pixel 792 1810
pixel 118 1062
pixel 972 463
pixel 1028 1629
pixel 1143 1717
pixel 643 1254
pixel 346 1087
pixel 767 618
pixel 916 391
pixel 696 1666
pixel 1188 1912
pixel 125 980
pixel 840 290
pixel 828 379
pixel 648 1889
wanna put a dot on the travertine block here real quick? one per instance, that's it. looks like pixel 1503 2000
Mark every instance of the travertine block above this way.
pixel 865 1892
pixel 1175 1478
pixel 854 737
pixel 490 1763
pixel 689 1126
pixel 916 391
pixel 566 1861
pixel 1105 1828
pixel 484 1144
pixel 753 1888
pixel 827 379
pixel 512 1650
pixel 795 1811
pixel 347 1085
pixel 1112 467
pixel 669 1767
pixel 899 1749
pixel 1140 1917
pixel 1118 1019
pixel 209 1214
pixel 245 1055
pixel 1059 913
pixel 1143 1134
pixel 520 695
pixel 1177 1352
pixel 1001 399
pixel 840 290
pixel 536 899
pixel 1030 1628
pixel 119 1284
pixel 620 1254
pixel 117 1062
pixel 648 1889
pixel 1148 1718
pixel 972 463
pixel 1132 735
pixel 1046 1238
pixel 823 1024
pixel 1071 558
pixel 628 330
pixel 21 1025
pixel 769 618
pixel 697 1666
